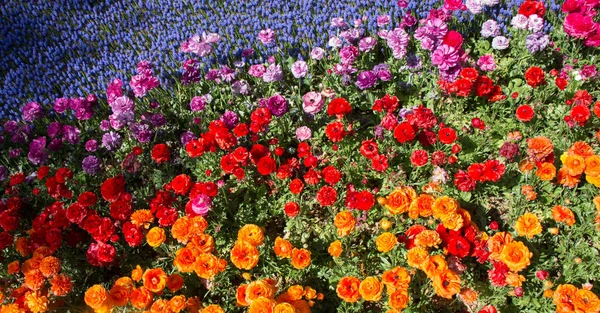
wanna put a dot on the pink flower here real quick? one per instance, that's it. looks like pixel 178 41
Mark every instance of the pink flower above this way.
pixel 312 102
pixel 486 62
pixel 303 133
pixel 201 204
pixel 578 25
pixel 141 84
pixel 266 36
pixel 299 69
pixel 257 70
pixel 445 57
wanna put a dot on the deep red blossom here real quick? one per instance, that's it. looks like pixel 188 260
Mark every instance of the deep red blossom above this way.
pixel 338 106
pixel 326 196
pixel 459 246
pixel 160 153
pixel 419 158
pixel 498 274
pixel 331 175
pixel 181 184
pixel 447 135
pixel 534 76
pixel 266 165
pixel 335 131
pixel 379 163
pixel 404 132
pixel 112 188
pixel 291 209
pixel 464 182
pixel 525 113
pixel 369 148
pixel 493 170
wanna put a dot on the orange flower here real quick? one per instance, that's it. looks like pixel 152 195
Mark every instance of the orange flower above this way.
pixel 300 258
pixel 96 296
pixel 140 297
pixel 156 236
pixel 335 249
pixel 175 282
pixel 159 306
pixel 31 264
pixel 251 234
pixel 538 148
pixel 592 165
pixel 22 246
pixel 527 190
pixel 240 295
pixel 282 248
pixel 61 285
pixel 198 224
pixel 34 279
pixel 567 180
pixel 586 301
pixel 496 244
pixel 181 229
pixel 446 284
pixel 213 308
pixel 184 260
pixel 563 214
pixel 119 295
pixel 564 295
pixel 385 224
pixel 453 221
pixel 400 199
pixel 596 202
pixel 417 256
pixel 526 166
pixel 36 302
pixel 262 305
pixel 155 279
pixel 258 289
pixel 202 243
pixel 347 289
pixel 370 289
pixel 575 164
pixel 125 282
pixel 177 304
pixel 546 171
pixel 514 279
pixel 295 292
pixel 386 242
pixel 301 306
pixel 206 266
pixel 468 296
pixel 428 238
pixel 444 206
pixel 14 267
pixel 528 225
pixel 516 256
pixel 594 180
pixel 136 274
pixel 244 255
pixel 142 218
pixel 309 293
pixel 421 206
pixel 284 308
pixel 396 278
pixel 50 266
pixel 581 149
pixel 434 265
pixel 344 222
pixel 399 299
pixel 10 308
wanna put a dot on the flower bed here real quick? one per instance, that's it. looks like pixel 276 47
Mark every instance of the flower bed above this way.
pixel 447 164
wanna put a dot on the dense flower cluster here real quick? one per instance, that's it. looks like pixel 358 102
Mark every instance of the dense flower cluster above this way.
pixel 434 160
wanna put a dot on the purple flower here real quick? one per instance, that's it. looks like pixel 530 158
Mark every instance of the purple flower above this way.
pixel 37 151
pixel 303 133
pixel 158 120
pixel 32 111
pixel 277 105
pixel 299 69
pixel 201 204
pixel 14 153
pixel 226 73
pixel 383 20
pixel 378 132
pixel 247 52
pixel 366 79
pixel 437 28
pixel 61 105
pixel 403 4
pixel 197 104
pixel 111 141
pixel 187 137
pixel 519 21
pixel 122 104
pixel 317 53
pixel 490 28
pixel 334 42
pixel 266 36
pixel 273 74
pixel 104 125
pixel 589 71
pixel 91 145
pixel 535 23
pixel 230 119
pixel 367 44
pixel 54 129
pixel 338 22
pixel 474 6
pixel 91 165
pixel 444 57
pixel 348 54
pixel 213 75
pixel 240 87
pixel 55 145
pixel 114 90
pixel 11 126
pixel 500 43
pixel 451 74
pixel 3 173
pixel 71 134
pixel 141 84
pixel 83 108
pixel 312 102
pixel 536 42
pixel 397 40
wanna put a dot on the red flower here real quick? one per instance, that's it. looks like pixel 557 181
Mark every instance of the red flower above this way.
pixel 459 246
pixel 338 106
pixel 364 200
pixel 266 165
pixel 241 130
pixel 76 213
pixel 427 138
pixel 404 132
pixel 291 209
pixel 464 182
pixel 257 152
pixel 484 86
pixel 453 39
pixel 16 179
pixel 447 135
pixel 132 234
pixel 493 170
pixel 42 172
pixel 498 274
pixel 194 148
pixel 87 199
pixel 312 177
pixel 438 158
pixel 228 164
pixel 534 76
pixel 120 210
pixel 422 118
pixel 296 186
pixel 478 123
pixel 63 174
pixel 561 83
pixel 369 148
pixel 326 196
pixel 303 150
pixel 529 8
pixel 464 87
pixel 331 175
pixel 582 97
pixel 419 158
pixel 469 73
pixel 379 163
pixel 112 188
pixel 160 153
pixel 387 103
pixel 181 184
pixel 259 119
pixel 525 113
pixel 335 131
pixel 580 114
pixel 488 309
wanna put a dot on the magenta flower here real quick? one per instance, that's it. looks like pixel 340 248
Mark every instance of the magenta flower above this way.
pixel 299 69
pixel 312 102
pixel 444 57
pixel 266 36
pixel 201 204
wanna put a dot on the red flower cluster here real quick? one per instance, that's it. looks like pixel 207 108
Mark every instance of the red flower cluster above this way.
pixel 360 200
pixel 530 7
pixel 460 243
pixel 491 170
pixel 259 120
pixel 580 112
pixel 470 82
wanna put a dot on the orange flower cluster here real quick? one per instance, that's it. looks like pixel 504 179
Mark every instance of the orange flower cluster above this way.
pixel 42 267
pixel 569 298
pixel 579 159
pixel 245 254
pixel 446 283
pixel 528 225
pixel 514 254
pixel 259 296
pixel 197 255
pixel 395 281
pixel 300 257
pixel 154 281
